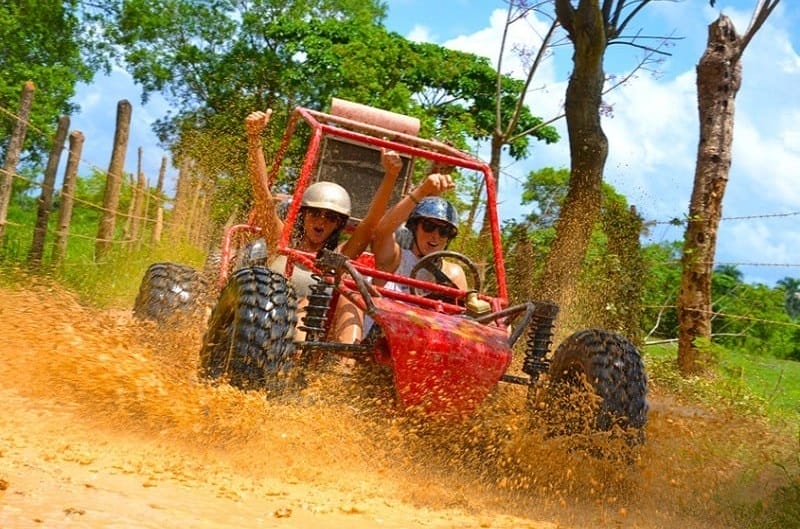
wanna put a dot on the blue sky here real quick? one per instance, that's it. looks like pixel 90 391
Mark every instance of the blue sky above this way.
pixel 652 130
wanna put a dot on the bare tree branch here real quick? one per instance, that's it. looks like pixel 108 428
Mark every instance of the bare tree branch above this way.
pixel 760 15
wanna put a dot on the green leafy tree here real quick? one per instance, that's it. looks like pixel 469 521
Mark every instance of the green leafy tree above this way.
pixel 751 318
pixel 217 60
pixel 791 287
pixel 53 44
pixel 660 284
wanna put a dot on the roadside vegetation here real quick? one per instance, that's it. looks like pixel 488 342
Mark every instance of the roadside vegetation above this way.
pixel 747 386
pixel 750 358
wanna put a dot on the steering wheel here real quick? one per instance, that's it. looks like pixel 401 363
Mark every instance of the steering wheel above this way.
pixel 432 264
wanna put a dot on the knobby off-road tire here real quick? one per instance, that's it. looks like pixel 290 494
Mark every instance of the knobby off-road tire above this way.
pixel 605 367
pixel 249 341
pixel 168 290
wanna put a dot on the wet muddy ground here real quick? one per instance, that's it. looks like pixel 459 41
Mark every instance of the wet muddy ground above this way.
pixel 105 423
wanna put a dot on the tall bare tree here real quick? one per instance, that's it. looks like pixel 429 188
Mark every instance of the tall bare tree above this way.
pixel 719 76
pixel 507 130
pixel 591 27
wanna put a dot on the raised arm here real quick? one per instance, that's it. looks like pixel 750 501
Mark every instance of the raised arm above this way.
pixel 362 235
pixel 266 215
pixel 384 245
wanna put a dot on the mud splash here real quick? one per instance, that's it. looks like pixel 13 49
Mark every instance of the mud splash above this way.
pixel 95 393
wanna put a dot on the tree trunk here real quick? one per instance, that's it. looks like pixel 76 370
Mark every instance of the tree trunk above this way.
pixel 588 151
pixel 496 155
pixel 13 153
pixel 46 196
pixel 116 168
pixel 718 80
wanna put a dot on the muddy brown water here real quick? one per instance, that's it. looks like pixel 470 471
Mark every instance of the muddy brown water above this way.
pixel 104 423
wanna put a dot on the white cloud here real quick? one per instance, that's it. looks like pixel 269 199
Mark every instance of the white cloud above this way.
pixel 768 168
pixel 421 34
pixel 759 247
pixel 525 34
pixel 653 137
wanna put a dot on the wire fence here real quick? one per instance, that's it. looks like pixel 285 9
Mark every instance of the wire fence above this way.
pixel 152 224
pixel 137 221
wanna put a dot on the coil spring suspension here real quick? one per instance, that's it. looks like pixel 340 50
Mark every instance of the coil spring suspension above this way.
pixel 319 302
pixel 538 341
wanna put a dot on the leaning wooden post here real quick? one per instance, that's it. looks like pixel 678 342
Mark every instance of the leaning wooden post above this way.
pixel 116 167
pixel 67 198
pixel 46 197
pixel 13 153
pixel 162 172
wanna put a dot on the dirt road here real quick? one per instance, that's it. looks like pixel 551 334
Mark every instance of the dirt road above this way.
pixel 105 424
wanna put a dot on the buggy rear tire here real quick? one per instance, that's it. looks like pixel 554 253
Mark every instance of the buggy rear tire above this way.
pixel 609 365
pixel 249 341
pixel 167 290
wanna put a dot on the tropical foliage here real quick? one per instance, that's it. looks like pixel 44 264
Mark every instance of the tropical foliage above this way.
pixel 47 42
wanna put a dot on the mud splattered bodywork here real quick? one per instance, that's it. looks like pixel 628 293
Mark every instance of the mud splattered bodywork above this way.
pixel 446 350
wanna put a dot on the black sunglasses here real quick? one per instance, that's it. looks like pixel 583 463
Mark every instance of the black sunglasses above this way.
pixel 330 216
pixel 445 230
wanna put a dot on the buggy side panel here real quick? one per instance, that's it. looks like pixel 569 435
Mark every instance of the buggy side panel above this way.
pixel 443 364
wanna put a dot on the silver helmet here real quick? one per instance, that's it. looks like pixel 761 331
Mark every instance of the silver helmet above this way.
pixel 327 195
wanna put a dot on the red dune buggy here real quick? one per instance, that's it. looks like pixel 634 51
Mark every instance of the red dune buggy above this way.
pixel 447 349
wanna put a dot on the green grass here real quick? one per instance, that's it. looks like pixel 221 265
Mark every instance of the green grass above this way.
pixel 776 382
pixel 110 283
pixel 751 387
pixel 754 385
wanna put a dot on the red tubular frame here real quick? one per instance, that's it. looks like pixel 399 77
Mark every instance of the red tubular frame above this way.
pixel 323 125
pixel 442 361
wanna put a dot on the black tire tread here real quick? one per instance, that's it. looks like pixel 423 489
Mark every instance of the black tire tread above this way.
pixel 249 341
pixel 613 367
pixel 167 289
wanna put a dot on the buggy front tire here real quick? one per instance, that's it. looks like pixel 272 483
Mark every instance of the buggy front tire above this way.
pixel 606 368
pixel 249 341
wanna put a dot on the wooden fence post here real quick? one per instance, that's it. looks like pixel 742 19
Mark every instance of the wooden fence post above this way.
pixel 126 231
pixel 67 196
pixel 138 208
pixel 116 168
pixel 162 172
pixel 158 202
pixel 158 228
pixel 180 208
pixel 145 216
pixel 46 196
pixel 13 153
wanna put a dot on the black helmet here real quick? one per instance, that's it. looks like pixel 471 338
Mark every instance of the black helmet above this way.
pixel 433 208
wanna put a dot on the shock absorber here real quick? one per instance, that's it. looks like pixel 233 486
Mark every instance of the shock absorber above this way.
pixel 319 302
pixel 538 340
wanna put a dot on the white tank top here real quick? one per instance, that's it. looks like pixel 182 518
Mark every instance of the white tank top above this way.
pixel 407 262
pixel 301 276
